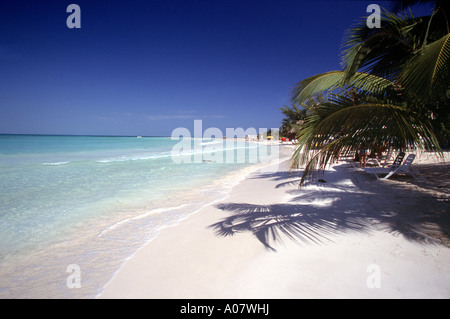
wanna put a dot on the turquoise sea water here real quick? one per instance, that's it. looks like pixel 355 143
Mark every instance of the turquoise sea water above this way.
pixel 93 201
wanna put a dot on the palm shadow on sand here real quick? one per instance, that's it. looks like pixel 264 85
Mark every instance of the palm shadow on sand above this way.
pixel 319 215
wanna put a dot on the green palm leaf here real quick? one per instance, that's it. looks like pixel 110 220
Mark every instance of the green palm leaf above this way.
pixel 340 125
pixel 428 72
pixel 316 84
pixel 330 81
pixel 382 51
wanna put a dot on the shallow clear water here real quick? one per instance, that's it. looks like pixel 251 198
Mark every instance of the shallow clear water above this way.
pixel 93 201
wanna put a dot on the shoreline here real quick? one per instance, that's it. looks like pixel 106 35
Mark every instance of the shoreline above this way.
pixel 324 229
pixel 167 234
pixel 269 239
pixel 243 174
pixel 43 271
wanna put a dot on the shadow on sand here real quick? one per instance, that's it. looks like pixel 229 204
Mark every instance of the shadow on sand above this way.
pixel 349 201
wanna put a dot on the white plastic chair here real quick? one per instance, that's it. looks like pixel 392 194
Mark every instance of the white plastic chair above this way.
pixel 404 168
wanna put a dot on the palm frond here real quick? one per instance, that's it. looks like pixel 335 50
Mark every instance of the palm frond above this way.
pixel 330 81
pixel 428 72
pixel 383 51
pixel 316 84
pixel 341 126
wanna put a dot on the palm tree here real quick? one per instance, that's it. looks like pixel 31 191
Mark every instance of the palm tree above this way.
pixel 293 120
pixel 393 91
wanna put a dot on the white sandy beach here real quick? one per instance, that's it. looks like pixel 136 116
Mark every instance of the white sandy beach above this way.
pixel 349 237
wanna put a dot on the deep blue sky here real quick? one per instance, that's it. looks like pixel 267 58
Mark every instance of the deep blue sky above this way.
pixel 146 67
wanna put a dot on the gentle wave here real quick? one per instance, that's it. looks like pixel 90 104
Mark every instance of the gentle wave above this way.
pixel 212 143
pixel 152 212
pixel 134 158
pixel 205 150
pixel 55 163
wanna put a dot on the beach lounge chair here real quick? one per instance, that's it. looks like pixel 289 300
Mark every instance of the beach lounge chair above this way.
pixel 397 162
pixel 386 168
pixel 395 168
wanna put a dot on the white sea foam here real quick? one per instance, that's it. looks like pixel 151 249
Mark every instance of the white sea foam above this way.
pixel 55 163
pixel 212 143
pixel 140 216
pixel 206 149
pixel 134 158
